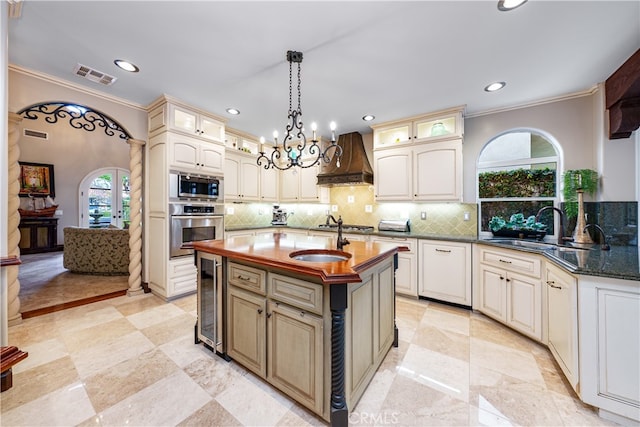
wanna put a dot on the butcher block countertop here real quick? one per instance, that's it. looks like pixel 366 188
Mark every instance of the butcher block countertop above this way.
pixel 274 250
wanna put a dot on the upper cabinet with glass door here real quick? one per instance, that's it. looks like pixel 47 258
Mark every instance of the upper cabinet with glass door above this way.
pixel 447 124
pixel 170 114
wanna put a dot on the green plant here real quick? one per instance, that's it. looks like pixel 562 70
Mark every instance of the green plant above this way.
pixel 516 222
pixel 517 183
pixel 574 179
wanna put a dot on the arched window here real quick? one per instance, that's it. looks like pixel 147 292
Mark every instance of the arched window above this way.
pixel 104 198
pixel 518 172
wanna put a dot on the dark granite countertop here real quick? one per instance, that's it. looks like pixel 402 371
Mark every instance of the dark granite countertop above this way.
pixel 621 262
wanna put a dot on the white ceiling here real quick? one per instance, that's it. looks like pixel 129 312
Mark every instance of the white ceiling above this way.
pixel 391 59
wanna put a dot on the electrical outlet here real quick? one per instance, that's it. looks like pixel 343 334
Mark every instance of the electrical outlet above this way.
pixel 351 199
pixel 58 212
pixel 423 215
pixel 309 212
pixel 230 211
pixel 368 208
pixel 467 217
pixel 334 208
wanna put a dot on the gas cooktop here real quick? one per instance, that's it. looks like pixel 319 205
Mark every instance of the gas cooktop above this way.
pixel 348 227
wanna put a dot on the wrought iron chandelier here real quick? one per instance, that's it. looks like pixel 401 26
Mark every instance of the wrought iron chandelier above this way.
pixel 294 143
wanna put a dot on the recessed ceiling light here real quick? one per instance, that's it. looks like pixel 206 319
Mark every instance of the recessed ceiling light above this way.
pixel 126 65
pixel 368 117
pixel 233 111
pixel 506 5
pixel 495 86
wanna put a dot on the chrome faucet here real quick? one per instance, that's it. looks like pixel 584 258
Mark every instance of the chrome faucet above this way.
pixel 341 242
pixel 603 243
pixel 561 237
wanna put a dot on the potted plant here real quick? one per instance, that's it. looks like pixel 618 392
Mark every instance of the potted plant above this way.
pixel 517 226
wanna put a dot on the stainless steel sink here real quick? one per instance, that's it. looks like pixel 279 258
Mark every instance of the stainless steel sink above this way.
pixel 320 255
pixel 538 245
pixel 524 243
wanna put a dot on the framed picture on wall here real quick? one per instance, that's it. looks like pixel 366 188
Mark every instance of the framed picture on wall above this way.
pixel 36 179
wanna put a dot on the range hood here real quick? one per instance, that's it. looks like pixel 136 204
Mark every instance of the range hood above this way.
pixel 354 169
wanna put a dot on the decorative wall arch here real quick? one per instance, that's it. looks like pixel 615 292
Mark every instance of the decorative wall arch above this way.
pixel 88 119
pixel 80 117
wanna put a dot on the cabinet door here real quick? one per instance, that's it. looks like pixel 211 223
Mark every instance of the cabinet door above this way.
pixel 183 152
pixel 295 354
pixel 392 169
pixel 268 185
pixel 289 185
pixel 249 180
pixel 493 292
pixel 210 128
pixel 183 119
pixel 524 305
pixel 407 272
pixel 562 302
pixel 445 272
pixel 400 133
pixel 309 185
pixel 438 171
pixel 211 158
pixel 231 178
pixel 246 330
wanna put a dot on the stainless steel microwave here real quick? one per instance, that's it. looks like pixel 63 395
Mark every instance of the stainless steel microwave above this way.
pixel 189 186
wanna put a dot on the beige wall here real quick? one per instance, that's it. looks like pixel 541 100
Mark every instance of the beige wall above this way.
pixel 578 125
pixel 73 152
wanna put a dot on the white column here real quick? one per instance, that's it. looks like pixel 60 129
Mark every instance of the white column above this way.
pixel 135 227
pixel 13 220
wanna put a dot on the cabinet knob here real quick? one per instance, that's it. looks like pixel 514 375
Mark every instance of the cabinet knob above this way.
pixel 508 280
pixel 501 278
pixel 268 315
pixel 259 311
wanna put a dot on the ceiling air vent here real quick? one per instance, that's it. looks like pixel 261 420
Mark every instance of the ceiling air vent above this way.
pixel 35 134
pixel 94 75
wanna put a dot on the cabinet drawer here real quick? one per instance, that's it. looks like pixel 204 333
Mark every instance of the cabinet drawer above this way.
pixel 512 261
pixel 243 276
pixel 299 293
pixel 182 268
pixel 400 241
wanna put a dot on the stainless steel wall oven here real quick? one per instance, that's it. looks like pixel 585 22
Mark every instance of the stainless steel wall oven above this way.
pixel 191 223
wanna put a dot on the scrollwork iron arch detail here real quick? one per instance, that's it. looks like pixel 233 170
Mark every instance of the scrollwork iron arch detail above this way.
pixel 80 117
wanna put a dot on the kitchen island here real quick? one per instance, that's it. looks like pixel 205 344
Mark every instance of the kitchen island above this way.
pixel 312 321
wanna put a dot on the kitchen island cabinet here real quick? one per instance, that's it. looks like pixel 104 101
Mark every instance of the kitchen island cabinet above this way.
pixel 317 331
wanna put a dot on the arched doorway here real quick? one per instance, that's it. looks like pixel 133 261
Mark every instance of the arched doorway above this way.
pixel 87 119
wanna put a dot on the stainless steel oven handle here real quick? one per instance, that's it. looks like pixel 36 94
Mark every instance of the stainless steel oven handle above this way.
pixel 196 216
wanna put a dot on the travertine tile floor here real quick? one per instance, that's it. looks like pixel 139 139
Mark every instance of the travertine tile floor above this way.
pixel 132 361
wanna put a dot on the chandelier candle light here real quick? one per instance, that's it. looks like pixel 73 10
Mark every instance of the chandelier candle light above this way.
pixel 293 149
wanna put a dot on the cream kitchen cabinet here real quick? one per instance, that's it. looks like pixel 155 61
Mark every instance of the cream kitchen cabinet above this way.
pixel 509 289
pixel 437 174
pixel 188 154
pixel 269 185
pixel 424 128
pixel 609 344
pixel 562 324
pixel 169 114
pixel 445 271
pixel 407 272
pixel 394 174
pixel 426 172
pixel 241 177
pixel 299 185
pixel 267 335
pixel 195 123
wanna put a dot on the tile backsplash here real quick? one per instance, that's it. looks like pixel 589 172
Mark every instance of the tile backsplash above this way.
pixel 353 204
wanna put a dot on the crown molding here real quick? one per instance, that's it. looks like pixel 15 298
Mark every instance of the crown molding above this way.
pixel 573 95
pixel 66 84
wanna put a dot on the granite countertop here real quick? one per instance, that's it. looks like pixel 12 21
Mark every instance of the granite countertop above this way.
pixel 621 262
pixel 275 252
